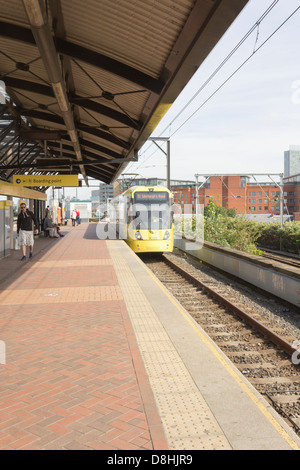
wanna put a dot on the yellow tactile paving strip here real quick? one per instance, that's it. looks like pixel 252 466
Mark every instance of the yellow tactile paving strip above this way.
pixel 62 294
pixel 188 421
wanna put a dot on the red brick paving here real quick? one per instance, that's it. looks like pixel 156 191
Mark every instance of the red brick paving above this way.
pixel 74 377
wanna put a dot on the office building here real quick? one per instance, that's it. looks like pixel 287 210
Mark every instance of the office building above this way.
pixel 292 161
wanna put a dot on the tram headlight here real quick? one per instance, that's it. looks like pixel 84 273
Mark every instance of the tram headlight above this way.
pixel 138 236
pixel 166 235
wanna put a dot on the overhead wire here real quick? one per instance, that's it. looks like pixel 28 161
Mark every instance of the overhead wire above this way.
pixel 223 63
pixel 237 70
pixel 256 25
pixel 228 57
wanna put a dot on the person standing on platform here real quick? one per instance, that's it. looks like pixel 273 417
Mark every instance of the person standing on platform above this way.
pixel 77 217
pixel 73 217
pixel 26 220
pixel 47 212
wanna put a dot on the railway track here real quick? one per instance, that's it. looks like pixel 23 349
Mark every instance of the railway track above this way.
pixel 282 259
pixel 260 349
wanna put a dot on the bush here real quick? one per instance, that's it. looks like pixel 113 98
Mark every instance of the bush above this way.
pixel 223 227
pixel 286 238
pixel 238 233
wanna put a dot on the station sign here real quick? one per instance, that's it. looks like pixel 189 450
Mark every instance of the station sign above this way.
pixel 45 180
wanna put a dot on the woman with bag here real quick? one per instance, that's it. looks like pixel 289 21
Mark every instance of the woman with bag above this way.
pixel 78 221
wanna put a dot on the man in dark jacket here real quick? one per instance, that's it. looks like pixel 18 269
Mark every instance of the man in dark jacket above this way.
pixel 26 220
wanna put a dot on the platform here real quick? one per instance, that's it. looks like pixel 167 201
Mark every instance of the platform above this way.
pixel 98 355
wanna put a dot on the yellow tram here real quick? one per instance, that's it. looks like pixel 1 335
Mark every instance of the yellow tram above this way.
pixel 144 219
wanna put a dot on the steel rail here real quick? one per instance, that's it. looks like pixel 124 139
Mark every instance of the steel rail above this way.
pixel 282 259
pixel 249 319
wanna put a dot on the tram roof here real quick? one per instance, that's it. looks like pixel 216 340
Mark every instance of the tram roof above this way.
pixel 88 82
pixel 147 189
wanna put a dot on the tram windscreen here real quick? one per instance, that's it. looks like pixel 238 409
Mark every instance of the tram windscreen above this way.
pixel 151 210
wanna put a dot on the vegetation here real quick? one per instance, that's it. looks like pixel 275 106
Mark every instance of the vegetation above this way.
pixel 275 237
pixel 223 227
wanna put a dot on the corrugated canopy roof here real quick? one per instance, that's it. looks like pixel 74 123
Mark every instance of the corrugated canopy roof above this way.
pixel 89 81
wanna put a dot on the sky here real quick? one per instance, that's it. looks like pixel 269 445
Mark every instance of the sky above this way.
pixel 249 123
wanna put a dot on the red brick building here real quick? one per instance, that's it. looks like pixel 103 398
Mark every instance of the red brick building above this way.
pixel 292 198
pixel 225 191
pixel 263 199
pixel 236 192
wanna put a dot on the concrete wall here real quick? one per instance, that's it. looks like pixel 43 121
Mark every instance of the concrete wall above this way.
pixel 280 282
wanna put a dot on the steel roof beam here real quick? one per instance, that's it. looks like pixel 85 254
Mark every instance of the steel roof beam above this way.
pixel 88 56
pixel 29 158
pixel 85 128
pixel 15 117
pixel 99 148
pixel 37 18
pixel 57 164
pixel 8 143
pixel 45 90
pixel 86 153
pixel 6 130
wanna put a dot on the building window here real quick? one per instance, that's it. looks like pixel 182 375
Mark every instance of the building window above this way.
pixel 243 181
pixel 266 193
pixel 260 201
pixel 266 208
pixel 253 194
pixel 266 201
pixel 253 201
pixel 260 208
pixel 272 208
pixel 272 193
pixel 249 201
pixel 260 193
pixel 253 208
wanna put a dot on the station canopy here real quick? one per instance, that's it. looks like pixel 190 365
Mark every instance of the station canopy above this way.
pixel 88 81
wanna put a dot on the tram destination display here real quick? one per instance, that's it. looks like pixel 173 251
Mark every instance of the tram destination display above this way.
pixel 157 197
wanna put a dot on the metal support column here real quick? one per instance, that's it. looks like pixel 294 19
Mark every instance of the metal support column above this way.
pixel 197 194
pixel 168 155
pixel 11 223
pixel 281 200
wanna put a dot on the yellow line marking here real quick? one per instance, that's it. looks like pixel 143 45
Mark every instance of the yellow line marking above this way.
pixel 227 366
